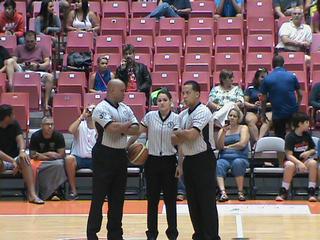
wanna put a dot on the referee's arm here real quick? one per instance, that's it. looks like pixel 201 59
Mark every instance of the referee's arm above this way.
pixel 181 136
pixel 127 128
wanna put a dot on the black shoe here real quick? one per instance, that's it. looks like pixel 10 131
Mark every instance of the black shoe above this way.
pixel 73 196
pixel 283 195
pixel 312 194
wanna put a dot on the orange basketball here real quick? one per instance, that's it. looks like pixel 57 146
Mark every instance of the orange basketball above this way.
pixel 137 154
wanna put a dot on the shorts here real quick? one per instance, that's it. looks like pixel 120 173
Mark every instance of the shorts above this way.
pixel 43 75
pixel 83 162
pixel 9 165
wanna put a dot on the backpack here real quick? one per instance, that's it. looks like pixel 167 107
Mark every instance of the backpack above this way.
pixel 79 60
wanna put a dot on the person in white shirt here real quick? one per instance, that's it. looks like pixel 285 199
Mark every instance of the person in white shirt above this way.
pixel 84 133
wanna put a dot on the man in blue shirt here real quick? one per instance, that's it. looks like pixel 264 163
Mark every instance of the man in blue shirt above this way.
pixel 282 87
pixel 229 8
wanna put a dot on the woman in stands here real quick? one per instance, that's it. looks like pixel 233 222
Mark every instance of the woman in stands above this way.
pixel 47 22
pixel 300 156
pixel 252 105
pixel 224 97
pixel 315 22
pixel 82 19
pixel 232 142
pixel 99 80
pixel 160 167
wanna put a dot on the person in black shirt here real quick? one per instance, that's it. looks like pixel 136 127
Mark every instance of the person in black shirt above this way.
pixel 12 151
pixel 300 151
pixel 172 8
pixel 7 65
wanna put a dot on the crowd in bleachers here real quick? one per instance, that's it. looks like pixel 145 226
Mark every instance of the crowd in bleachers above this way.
pixel 228 47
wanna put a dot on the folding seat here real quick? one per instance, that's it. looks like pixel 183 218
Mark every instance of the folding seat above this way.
pixel 315 61
pixel 260 25
pixel 95 6
pixel 46 42
pixel 315 46
pixel 114 26
pixel 294 61
pixel 203 78
pixel 229 61
pixel 202 9
pixel 175 102
pixel 143 26
pixel 3 82
pixel 172 26
pixel 304 105
pixel 259 8
pixel 29 82
pixel 168 44
pixel 260 43
pixel 9 42
pixel 37 7
pixel 237 75
pixel 137 102
pixel 249 75
pixel 199 44
pixel 228 44
pixel 65 110
pixel 145 58
pixel 167 62
pixel 141 43
pixel 170 80
pixel 142 9
pixel 194 62
pixel 314 78
pixel 114 61
pixel 230 26
pixel 119 9
pixel 204 97
pixel 72 82
pixel 201 26
pixel 32 24
pixel 79 42
pixel 302 78
pixel 93 98
pixel 108 44
pixel 258 60
pixel 20 104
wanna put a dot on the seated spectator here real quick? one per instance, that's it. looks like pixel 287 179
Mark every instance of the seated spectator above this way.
pixel 284 8
pixel 12 151
pixel 82 19
pixel 99 80
pixel 315 21
pixel 294 36
pixel 84 133
pixel 229 8
pixel 224 97
pixel 172 8
pixel 35 58
pixel 7 65
pixel 252 104
pixel 47 151
pixel 232 142
pixel 315 99
pixel 12 22
pixel 300 151
pixel 47 22
pixel 135 75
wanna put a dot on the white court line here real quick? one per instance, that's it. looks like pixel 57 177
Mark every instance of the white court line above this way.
pixel 239 226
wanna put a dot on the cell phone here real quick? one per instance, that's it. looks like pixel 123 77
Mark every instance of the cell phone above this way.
pixel 227 122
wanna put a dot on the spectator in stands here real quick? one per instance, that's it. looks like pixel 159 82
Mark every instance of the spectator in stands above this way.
pixel 281 87
pixel 99 80
pixel 47 151
pixel 12 22
pixel 135 75
pixel 284 8
pixel 47 22
pixel 300 153
pixel 232 142
pixel 35 58
pixel 7 65
pixel 252 97
pixel 315 22
pixel 84 133
pixel 82 19
pixel 12 151
pixel 229 8
pixel 172 8
pixel 294 36
pixel 224 97
pixel 315 99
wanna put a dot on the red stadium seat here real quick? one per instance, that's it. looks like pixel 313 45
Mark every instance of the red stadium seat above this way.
pixel 172 26
pixel 199 44
pixel 93 98
pixel 229 44
pixel 114 61
pixel 202 8
pixel 143 26
pixel 167 62
pixel 168 44
pixel 145 58
pixel 109 44
pixel 141 43
pixel 9 42
pixel 302 78
pixel 32 24
pixel 260 25
pixel 142 9
pixel 72 82
pixel 229 61
pixel 3 82
pixel 315 77
pixel 249 77
pixel 230 26
pixel 204 97
pixel 315 46
pixel 46 42
pixel 114 26
pixel 203 78
pixel 294 61
pixel 201 26
pixel 65 103
pixel 119 9
pixel 237 75
pixel 315 61
pixel 136 101
pixel 29 82
pixel 95 6
pixel 258 60
pixel 260 43
pixel 170 80
pixel 195 62
pixel 79 42
pixel 37 7
pixel 259 8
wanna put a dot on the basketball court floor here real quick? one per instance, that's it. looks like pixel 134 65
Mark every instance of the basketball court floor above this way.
pixel 66 220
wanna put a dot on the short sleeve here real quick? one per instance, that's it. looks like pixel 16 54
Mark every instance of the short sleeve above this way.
pixel 311 144
pixel 176 123
pixel 201 118
pixel 45 53
pixel 289 142
pixel 213 95
pixel 276 3
pixel 296 83
pixel 309 35
pixel 18 130
pixel 284 29
pixel 34 142
pixel 132 117
pixel 102 117
pixel 145 120
pixel 60 143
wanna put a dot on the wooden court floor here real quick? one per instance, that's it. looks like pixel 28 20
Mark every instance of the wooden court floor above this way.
pixel 265 220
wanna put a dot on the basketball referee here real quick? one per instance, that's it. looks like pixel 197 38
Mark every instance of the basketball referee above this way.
pixel 195 140
pixel 114 121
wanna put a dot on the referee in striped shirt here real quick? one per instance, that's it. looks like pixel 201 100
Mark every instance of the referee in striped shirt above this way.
pixel 195 140
pixel 114 121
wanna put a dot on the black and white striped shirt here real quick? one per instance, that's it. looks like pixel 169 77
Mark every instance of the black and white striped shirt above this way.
pixel 201 119
pixel 159 132
pixel 106 113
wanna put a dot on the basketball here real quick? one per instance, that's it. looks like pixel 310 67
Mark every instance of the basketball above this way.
pixel 137 154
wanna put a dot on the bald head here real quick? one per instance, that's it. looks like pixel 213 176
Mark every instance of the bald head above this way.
pixel 116 89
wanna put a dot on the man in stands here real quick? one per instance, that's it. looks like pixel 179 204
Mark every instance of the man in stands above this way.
pixel 172 8
pixel 229 8
pixel 12 22
pixel 284 8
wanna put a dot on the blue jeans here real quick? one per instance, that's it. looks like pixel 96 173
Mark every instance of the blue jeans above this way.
pixel 238 166
pixel 83 162
pixel 181 186
pixel 163 10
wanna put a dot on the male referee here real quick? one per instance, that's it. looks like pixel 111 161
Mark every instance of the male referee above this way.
pixel 114 121
pixel 195 140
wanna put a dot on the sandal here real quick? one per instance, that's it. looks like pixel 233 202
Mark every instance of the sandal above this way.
pixel 223 197
pixel 241 196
